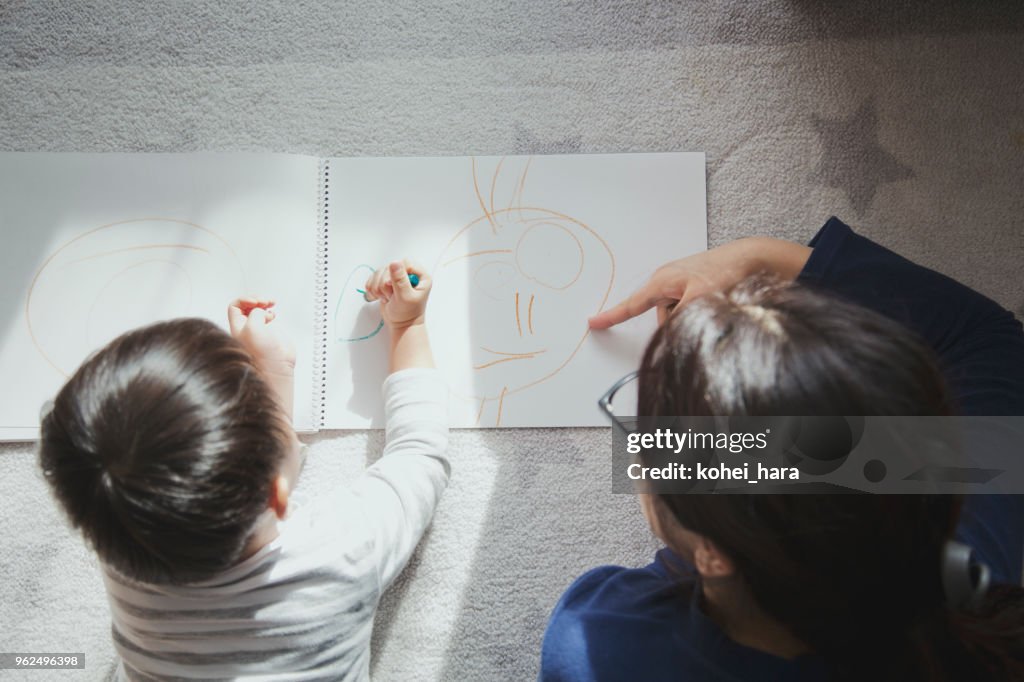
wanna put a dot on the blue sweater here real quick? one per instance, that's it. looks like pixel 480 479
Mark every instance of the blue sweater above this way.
pixel 616 623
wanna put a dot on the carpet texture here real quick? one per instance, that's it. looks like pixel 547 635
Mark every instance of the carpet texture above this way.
pixel 905 119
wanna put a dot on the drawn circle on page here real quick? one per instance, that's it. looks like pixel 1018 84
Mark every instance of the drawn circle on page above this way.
pixel 354 319
pixel 511 296
pixel 120 276
pixel 550 254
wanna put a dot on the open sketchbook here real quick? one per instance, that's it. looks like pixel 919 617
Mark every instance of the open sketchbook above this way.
pixel 522 251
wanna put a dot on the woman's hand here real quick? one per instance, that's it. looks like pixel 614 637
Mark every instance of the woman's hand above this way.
pixel 683 280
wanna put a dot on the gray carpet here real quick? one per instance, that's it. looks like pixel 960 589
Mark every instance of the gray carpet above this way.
pixel 906 119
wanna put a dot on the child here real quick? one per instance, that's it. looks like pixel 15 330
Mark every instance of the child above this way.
pixel 811 587
pixel 171 449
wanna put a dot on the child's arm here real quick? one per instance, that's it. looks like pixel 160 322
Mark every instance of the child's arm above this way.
pixel 274 355
pixel 401 490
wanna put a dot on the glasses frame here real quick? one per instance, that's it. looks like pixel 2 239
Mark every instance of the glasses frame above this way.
pixel 605 401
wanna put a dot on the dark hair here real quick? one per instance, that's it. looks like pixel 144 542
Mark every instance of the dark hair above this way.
pixel 162 449
pixel 855 577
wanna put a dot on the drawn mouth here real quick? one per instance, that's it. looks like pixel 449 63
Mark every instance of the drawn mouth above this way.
pixel 508 357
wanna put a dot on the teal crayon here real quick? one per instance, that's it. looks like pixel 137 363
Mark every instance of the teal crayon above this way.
pixel 414 280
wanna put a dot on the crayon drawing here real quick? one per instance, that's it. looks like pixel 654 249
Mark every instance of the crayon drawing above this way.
pixel 123 275
pixel 534 276
pixel 354 320
pixel 522 251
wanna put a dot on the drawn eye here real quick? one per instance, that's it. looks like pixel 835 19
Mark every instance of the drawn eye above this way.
pixel 494 279
pixel 550 255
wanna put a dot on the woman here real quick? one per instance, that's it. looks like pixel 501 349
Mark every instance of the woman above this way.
pixel 810 587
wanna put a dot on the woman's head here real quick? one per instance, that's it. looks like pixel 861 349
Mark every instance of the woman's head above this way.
pixel 163 448
pixel 772 348
pixel 852 576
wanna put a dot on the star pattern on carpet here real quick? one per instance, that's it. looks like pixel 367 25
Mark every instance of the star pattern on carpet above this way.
pixel 852 158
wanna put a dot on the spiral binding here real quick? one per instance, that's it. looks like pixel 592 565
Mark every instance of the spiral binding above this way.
pixel 320 331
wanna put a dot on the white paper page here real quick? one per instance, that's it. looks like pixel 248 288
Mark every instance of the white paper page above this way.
pixel 97 244
pixel 523 250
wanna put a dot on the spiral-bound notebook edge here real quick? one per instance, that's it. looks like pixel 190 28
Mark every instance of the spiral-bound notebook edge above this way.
pixel 320 332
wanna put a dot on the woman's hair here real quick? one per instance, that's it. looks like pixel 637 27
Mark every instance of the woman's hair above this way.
pixel 162 448
pixel 857 578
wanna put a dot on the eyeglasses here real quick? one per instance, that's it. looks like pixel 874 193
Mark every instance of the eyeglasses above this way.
pixel 606 402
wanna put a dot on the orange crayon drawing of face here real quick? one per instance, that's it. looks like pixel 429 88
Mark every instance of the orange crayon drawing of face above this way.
pixel 532 276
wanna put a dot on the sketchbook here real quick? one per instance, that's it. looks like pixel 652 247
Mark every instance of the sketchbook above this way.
pixel 522 250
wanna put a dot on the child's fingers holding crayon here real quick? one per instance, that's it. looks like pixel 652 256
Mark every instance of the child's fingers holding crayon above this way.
pixel 409 280
pixel 402 288
pixel 408 304
pixel 249 320
pixel 247 303
pixel 378 286
pixel 240 309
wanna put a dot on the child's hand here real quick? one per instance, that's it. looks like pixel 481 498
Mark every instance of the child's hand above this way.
pixel 401 305
pixel 403 308
pixel 250 322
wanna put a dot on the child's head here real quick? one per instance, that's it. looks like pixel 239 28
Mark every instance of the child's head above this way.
pixel 163 449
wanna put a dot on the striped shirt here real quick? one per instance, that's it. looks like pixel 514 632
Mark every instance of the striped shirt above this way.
pixel 302 607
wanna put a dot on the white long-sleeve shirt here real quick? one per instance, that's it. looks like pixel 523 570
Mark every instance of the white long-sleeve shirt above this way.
pixel 302 607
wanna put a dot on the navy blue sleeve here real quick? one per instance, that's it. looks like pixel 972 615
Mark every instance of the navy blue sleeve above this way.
pixel 564 652
pixel 979 344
